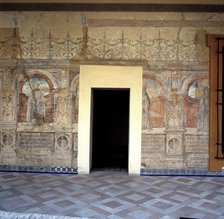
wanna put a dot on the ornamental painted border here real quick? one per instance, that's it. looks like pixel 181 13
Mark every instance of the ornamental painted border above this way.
pixel 179 172
pixel 38 169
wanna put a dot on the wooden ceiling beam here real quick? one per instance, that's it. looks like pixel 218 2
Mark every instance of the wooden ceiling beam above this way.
pixel 125 7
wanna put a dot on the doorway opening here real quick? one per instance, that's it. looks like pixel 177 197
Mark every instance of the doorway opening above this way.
pixel 110 128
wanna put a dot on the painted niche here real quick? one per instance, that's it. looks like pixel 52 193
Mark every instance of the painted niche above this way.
pixel 153 105
pixel 197 105
pixel 36 101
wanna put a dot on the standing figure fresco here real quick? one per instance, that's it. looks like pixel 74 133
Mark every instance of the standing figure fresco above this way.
pixel 36 90
pixel 36 103
pixel 203 113
pixel 145 111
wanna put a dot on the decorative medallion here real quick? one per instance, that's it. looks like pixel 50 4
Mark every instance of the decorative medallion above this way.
pixel 8 139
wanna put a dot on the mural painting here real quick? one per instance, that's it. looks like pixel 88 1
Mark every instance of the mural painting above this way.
pixel 175 92
pixel 62 111
pixel 7 106
pixel 75 102
pixel 36 101
pixel 174 114
pixel 145 111
pixel 153 105
pixel 197 106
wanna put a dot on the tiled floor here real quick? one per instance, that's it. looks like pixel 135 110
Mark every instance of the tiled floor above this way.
pixel 112 194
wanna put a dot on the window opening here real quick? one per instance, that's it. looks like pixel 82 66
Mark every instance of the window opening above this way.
pixel 219 99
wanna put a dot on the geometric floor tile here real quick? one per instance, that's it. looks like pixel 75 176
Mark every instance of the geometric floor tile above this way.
pixel 112 194
pixel 113 205
pixel 139 214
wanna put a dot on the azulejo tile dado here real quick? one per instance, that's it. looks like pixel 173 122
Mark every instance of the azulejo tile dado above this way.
pixel 179 172
pixel 38 169
pixel 144 171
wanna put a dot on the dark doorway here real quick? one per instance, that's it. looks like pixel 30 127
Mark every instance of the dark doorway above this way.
pixel 110 128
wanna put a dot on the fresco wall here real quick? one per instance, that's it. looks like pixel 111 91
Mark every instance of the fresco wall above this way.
pixel 40 55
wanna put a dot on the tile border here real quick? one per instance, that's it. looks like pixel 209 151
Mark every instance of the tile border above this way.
pixel 143 172
pixel 179 172
pixel 39 169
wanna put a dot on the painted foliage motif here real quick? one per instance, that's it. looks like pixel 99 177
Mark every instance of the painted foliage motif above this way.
pixel 36 101
pixel 174 111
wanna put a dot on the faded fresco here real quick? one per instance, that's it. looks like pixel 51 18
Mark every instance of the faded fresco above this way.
pixel 39 82
pixel 153 105
pixel 197 106
pixel 36 104
pixel 178 130
pixel 36 89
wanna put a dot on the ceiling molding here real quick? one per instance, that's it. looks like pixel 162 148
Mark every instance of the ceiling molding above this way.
pixel 126 7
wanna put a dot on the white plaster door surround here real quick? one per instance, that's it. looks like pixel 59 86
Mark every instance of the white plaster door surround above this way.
pixel 98 76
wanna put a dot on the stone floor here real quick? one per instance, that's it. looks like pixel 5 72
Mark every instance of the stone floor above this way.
pixel 14 215
pixel 112 194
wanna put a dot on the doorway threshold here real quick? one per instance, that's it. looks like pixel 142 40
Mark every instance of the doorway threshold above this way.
pixel 109 169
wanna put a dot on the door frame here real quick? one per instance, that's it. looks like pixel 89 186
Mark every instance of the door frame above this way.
pixel 98 76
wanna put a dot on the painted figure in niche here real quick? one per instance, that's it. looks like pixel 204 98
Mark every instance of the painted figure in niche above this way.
pixel 198 105
pixel 155 104
pixel 153 89
pixel 36 103
pixel 36 89
pixel 145 111
pixel 203 113
pixel 191 106
pixel 196 89
pixel 193 90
